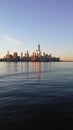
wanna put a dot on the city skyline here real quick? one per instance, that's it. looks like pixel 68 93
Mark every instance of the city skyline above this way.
pixel 26 23
pixel 36 56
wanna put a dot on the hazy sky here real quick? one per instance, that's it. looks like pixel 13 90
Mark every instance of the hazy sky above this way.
pixel 25 23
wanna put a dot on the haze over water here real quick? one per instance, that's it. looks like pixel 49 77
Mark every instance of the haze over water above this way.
pixel 36 95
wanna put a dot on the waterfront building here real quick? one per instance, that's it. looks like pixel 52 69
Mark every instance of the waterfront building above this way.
pixel 39 47
pixel 21 55
pixel 27 54
pixel 7 55
pixel 33 56
pixel 15 56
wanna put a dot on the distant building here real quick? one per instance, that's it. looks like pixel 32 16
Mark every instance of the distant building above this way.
pixel 27 54
pixel 7 55
pixel 15 56
pixel 39 47
pixel 21 55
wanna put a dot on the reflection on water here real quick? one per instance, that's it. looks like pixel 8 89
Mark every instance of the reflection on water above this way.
pixel 35 93
pixel 13 65
pixel 38 69
pixel 36 66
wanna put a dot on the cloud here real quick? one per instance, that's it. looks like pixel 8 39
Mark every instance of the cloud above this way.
pixel 11 40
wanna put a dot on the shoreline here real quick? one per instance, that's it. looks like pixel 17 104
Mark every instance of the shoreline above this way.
pixel 36 61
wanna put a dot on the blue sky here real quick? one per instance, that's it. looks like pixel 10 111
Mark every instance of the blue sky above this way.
pixel 25 23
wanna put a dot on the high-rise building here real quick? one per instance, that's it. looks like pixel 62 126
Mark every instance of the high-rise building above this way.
pixel 27 54
pixel 15 55
pixel 7 55
pixel 39 47
pixel 21 55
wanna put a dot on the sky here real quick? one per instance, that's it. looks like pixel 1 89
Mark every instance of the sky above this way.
pixel 26 23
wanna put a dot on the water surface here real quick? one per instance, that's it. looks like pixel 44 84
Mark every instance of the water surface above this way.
pixel 36 95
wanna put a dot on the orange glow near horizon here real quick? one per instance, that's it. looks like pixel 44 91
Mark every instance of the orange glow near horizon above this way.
pixel 67 58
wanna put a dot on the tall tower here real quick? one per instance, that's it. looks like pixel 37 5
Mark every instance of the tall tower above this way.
pixel 39 47
pixel 7 56
pixel 8 53
pixel 21 55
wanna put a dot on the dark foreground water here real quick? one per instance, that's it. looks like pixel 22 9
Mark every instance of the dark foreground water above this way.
pixel 36 95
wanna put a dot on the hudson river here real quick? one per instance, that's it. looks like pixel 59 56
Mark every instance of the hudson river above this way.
pixel 36 95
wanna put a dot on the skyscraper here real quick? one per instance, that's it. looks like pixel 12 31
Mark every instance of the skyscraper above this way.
pixel 15 55
pixel 39 47
pixel 7 56
pixel 21 55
